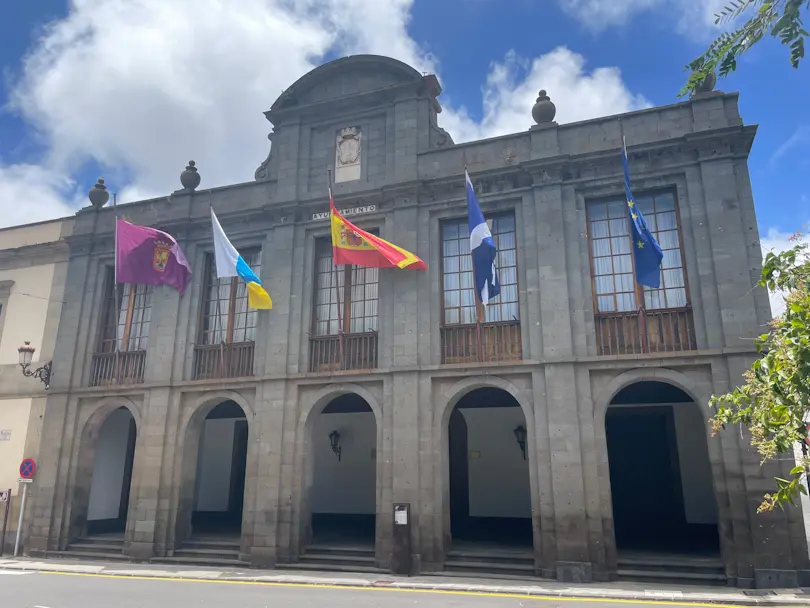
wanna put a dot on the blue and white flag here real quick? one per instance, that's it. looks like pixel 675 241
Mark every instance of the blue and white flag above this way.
pixel 647 252
pixel 482 248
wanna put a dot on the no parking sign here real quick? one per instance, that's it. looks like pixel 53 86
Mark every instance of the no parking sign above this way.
pixel 28 469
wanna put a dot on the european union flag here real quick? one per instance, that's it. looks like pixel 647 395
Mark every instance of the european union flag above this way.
pixel 647 252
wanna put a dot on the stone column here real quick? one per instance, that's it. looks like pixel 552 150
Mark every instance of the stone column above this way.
pixel 267 434
pixel 145 485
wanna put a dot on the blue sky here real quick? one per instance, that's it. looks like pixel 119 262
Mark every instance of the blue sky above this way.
pixel 132 89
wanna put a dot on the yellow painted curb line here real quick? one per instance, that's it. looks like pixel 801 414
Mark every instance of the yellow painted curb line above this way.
pixel 400 589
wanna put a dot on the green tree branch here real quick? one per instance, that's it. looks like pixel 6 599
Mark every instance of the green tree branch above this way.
pixel 780 19
pixel 774 401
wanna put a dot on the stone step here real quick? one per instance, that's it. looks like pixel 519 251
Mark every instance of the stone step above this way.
pixel 194 560
pixel 221 545
pixel 207 553
pixel 340 550
pixel 334 558
pixel 69 553
pixel 474 567
pixel 672 577
pixel 95 547
pixel 331 567
pixel 505 557
pixel 664 565
pixel 105 540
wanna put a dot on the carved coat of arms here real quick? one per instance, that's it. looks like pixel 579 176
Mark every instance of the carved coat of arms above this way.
pixel 161 257
pixel 348 146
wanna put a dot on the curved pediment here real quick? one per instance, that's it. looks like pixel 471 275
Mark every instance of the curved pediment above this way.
pixel 346 76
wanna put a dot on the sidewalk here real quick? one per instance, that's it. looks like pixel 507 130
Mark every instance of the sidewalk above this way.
pixel 529 587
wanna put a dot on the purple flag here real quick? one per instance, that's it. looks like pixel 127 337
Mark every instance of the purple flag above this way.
pixel 146 256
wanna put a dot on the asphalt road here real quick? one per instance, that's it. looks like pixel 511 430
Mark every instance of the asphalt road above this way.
pixel 44 590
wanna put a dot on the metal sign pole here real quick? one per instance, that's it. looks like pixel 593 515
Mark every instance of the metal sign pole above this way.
pixel 20 520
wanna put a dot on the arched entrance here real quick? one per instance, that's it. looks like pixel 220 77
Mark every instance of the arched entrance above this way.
pixel 489 485
pixel 112 474
pixel 101 489
pixel 220 474
pixel 660 473
pixel 343 495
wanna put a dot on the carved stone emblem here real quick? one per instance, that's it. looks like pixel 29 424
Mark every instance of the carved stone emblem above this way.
pixel 348 146
pixel 347 154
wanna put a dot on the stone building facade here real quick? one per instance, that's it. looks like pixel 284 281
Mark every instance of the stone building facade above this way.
pixel 565 357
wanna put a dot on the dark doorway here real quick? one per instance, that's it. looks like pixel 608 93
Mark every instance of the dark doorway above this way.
pixel 490 497
pixel 221 467
pixel 459 476
pixel 343 495
pixel 660 475
pixel 112 474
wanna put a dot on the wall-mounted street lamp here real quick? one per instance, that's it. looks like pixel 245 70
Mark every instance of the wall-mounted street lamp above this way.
pixel 26 352
pixel 334 441
pixel 520 435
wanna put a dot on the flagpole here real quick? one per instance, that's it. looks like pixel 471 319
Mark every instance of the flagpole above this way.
pixel 480 309
pixel 334 269
pixel 116 302
pixel 642 317
pixel 218 327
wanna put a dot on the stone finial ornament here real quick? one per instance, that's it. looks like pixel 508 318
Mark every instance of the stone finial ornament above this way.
pixel 190 178
pixel 544 109
pixel 707 84
pixel 98 194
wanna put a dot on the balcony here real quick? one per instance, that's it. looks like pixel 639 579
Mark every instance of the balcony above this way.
pixel 646 331
pixel 495 342
pixel 117 368
pixel 359 351
pixel 232 360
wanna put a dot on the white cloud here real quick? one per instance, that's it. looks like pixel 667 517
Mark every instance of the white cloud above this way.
pixel 30 193
pixel 693 18
pixel 142 86
pixel 776 241
pixel 512 86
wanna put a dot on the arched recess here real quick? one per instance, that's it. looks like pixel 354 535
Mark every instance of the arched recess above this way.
pixel 103 471
pixel 214 468
pixel 479 420
pixel 361 445
pixel 661 465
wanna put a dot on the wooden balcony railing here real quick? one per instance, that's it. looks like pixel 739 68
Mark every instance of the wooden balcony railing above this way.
pixel 646 331
pixel 359 351
pixel 495 342
pixel 112 369
pixel 234 360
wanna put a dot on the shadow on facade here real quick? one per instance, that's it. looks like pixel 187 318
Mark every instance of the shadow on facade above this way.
pixel 344 480
pixel 219 487
pixel 490 496
pixel 660 473
pixel 104 475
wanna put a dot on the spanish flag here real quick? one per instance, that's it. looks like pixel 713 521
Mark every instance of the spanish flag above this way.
pixel 350 245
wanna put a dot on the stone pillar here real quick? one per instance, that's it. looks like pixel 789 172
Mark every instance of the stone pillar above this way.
pixel 142 515
pixel 264 482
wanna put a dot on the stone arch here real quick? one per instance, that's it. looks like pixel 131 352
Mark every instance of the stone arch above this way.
pixel 667 376
pixel 402 72
pixel 305 465
pixel 191 428
pixel 602 401
pixel 450 398
pixel 91 421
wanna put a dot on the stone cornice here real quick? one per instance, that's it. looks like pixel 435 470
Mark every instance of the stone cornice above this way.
pixel 702 357
pixel 42 253
pixel 5 288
